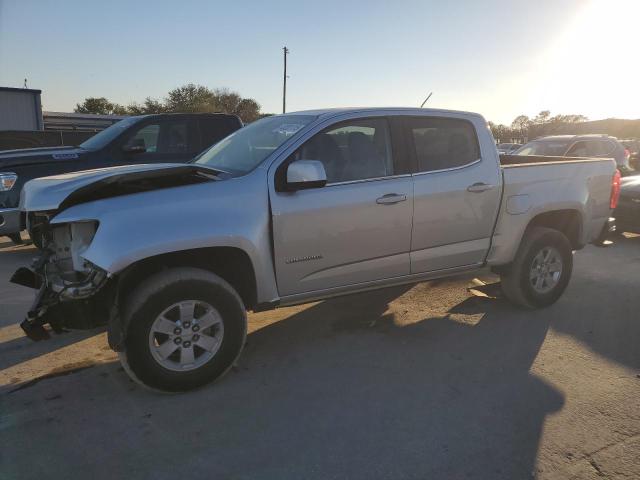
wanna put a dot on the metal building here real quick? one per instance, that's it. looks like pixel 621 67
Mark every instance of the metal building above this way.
pixel 20 109
pixel 81 122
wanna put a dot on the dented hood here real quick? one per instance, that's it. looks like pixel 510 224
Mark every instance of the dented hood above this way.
pixel 60 191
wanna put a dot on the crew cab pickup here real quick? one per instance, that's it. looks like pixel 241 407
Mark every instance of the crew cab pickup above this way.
pixel 140 139
pixel 296 208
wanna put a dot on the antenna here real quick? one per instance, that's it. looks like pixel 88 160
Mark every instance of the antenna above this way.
pixel 426 99
pixel 25 83
pixel 284 83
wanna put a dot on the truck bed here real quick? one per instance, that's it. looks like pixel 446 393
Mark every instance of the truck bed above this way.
pixel 534 184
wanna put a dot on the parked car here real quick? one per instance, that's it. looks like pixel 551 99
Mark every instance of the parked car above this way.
pixel 634 152
pixel 596 146
pixel 627 212
pixel 139 139
pixel 296 208
pixel 508 148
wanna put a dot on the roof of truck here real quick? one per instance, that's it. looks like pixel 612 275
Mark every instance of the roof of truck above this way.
pixel 407 110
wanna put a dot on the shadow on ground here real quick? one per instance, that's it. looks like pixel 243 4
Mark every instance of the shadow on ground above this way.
pixel 338 390
pixel 608 321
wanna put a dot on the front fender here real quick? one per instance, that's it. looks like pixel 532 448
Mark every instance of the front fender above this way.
pixel 228 213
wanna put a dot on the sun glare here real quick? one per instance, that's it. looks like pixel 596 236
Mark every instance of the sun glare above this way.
pixel 593 66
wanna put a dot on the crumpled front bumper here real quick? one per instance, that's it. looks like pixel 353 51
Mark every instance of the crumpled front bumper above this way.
pixel 58 303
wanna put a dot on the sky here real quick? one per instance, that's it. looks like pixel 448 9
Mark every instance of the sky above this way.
pixel 500 58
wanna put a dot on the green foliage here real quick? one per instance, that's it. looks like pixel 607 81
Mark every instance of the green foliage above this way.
pixel 149 106
pixel 100 106
pixel 188 98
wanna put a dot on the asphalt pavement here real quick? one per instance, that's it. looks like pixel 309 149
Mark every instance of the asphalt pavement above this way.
pixel 424 382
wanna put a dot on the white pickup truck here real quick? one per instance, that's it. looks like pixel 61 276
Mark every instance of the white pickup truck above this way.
pixel 296 208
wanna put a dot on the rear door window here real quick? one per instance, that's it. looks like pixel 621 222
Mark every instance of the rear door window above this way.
pixel 175 138
pixel 442 143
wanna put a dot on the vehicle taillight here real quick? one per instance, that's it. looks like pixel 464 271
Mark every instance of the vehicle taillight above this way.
pixel 615 190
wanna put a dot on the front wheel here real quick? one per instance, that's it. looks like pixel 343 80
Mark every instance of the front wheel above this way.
pixel 541 270
pixel 185 328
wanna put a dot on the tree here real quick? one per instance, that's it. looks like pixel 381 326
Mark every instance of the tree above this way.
pixel 199 99
pixel 248 110
pixel 500 132
pixel 100 106
pixel 149 106
pixel 231 102
pixel 191 98
pixel 521 123
pixel 542 117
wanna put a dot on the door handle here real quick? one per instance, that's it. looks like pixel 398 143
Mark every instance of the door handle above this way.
pixel 479 187
pixel 391 198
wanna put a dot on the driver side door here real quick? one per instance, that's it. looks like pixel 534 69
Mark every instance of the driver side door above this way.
pixel 355 229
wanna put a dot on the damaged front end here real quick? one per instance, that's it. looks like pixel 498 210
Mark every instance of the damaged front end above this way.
pixel 72 291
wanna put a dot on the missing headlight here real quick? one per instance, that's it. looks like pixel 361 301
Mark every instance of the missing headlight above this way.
pixel 70 241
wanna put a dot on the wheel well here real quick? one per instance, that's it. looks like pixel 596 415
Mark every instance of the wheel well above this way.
pixel 568 222
pixel 232 264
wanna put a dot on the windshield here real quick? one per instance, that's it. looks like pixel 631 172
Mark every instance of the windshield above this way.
pixel 103 138
pixel 245 149
pixel 546 148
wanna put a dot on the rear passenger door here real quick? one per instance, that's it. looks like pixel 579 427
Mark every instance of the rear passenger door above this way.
pixel 357 228
pixel 456 194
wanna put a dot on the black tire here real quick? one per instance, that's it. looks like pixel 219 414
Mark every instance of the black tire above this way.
pixel 515 281
pixel 36 239
pixel 158 293
pixel 15 238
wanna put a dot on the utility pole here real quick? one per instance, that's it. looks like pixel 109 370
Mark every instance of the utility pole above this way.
pixel 284 83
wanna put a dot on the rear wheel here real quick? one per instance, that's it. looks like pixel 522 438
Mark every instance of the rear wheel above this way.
pixel 186 327
pixel 541 270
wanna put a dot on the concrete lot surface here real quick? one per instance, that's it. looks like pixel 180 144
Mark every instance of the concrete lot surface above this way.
pixel 429 382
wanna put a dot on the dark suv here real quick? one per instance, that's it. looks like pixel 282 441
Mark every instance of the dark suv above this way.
pixel 634 151
pixel 176 137
pixel 601 146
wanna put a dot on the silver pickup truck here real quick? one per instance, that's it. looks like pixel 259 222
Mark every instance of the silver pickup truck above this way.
pixel 296 208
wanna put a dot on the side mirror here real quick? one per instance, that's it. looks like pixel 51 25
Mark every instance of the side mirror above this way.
pixel 303 174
